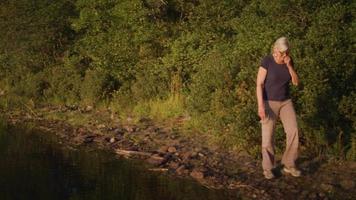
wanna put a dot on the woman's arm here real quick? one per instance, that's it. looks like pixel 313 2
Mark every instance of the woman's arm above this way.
pixel 293 74
pixel 261 76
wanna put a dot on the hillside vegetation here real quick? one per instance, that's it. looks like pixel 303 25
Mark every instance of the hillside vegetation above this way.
pixel 195 59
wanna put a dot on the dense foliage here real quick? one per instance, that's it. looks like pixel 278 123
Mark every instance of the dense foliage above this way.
pixel 196 58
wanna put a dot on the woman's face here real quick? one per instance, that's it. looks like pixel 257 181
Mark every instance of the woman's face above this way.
pixel 279 56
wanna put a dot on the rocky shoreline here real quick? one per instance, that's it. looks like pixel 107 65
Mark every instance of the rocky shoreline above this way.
pixel 169 151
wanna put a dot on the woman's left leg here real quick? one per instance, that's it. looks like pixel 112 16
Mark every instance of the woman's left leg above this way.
pixel 288 117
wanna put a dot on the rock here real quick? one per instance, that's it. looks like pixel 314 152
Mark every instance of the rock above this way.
pixel 185 156
pixel 352 165
pixel 304 194
pixel 172 149
pixel 119 131
pixel 89 139
pixel 101 126
pixel 162 149
pixel 194 155
pixel 321 194
pixel 312 195
pixel 181 170
pixel 112 140
pixel 81 130
pixel 129 119
pixel 347 184
pixel 173 165
pixel 327 187
pixel 197 174
pixel 129 129
pixel 89 108
pixel 156 160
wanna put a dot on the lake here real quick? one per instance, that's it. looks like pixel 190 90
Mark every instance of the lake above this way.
pixel 35 165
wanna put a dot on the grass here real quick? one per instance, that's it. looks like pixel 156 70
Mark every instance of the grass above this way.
pixel 161 109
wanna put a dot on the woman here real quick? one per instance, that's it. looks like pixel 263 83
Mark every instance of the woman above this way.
pixel 272 89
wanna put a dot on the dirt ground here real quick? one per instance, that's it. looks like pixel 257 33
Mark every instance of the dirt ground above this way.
pixel 179 155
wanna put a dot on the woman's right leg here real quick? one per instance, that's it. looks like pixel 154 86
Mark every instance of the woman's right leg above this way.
pixel 268 127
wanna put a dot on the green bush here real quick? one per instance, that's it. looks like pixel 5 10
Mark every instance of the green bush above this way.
pixel 165 59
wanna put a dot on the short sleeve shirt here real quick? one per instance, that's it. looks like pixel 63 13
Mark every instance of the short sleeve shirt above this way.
pixel 276 85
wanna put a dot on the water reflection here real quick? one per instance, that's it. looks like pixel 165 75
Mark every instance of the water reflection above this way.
pixel 34 165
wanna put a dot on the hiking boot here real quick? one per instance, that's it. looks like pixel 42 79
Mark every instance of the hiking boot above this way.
pixel 292 171
pixel 268 174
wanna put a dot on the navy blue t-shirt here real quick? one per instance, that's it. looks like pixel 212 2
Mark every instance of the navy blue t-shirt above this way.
pixel 276 85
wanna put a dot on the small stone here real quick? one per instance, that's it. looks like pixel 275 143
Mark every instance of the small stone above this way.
pixel 186 155
pixel 100 126
pixel 197 174
pixel 194 155
pixel 112 140
pixel 129 119
pixel 326 187
pixel 347 184
pixel 119 131
pixel 89 108
pixel 81 130
pixel 181 170
pixel 89 139
pixel 321 194
pixel 201 154
pixel 129 129
pixel 172 149
pixel 163 149
pixel 313 195
pixel 173 165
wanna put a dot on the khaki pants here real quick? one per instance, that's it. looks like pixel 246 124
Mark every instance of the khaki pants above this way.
pixel 285 111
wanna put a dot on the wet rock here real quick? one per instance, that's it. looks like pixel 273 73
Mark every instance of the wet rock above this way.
pixel 181 170
pixel 347 184
pixel 156 160
pixel 321 194
pixel 197 174
pixel 173 165
pixel 89 139
pixel 313 195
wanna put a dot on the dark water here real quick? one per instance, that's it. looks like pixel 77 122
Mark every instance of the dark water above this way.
pixel 33 165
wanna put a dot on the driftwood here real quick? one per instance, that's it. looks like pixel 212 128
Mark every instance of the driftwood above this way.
pixel 127 153
pixel 158 169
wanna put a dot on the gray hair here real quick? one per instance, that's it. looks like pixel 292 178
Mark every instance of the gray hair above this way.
pixel 281 44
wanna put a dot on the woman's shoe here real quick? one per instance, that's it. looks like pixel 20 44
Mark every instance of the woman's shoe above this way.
pixel 268 174
pixel 292 171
